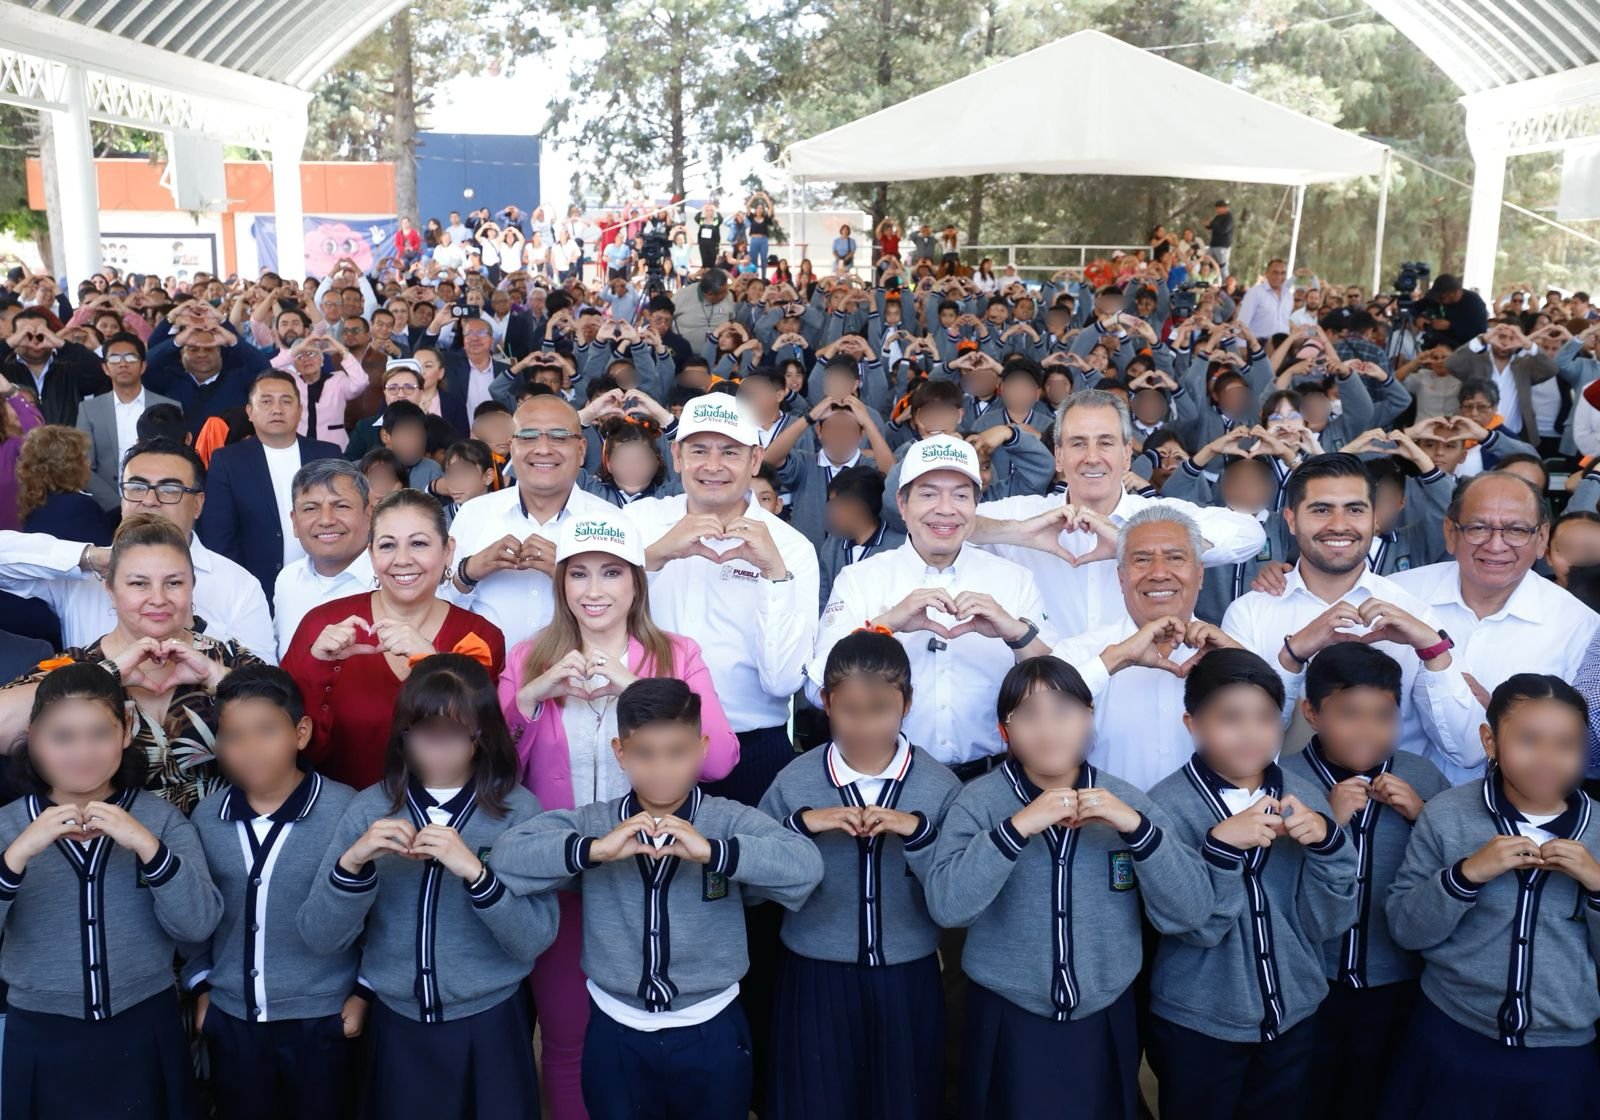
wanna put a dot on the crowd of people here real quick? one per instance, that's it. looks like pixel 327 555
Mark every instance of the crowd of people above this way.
pixel 1039 678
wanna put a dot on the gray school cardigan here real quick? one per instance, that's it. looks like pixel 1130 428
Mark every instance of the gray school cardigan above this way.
pixel 90 931
pixel 435 948
pixel 869 907
pixel 299 982
pixel 663 934
pixel 1514 958
pixel 1053 920
pixel 1252 969
pixel 1365 955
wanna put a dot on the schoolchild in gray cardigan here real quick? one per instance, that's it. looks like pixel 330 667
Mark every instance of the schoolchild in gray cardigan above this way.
pixel 434 949
pixel 90 930
pixel 662 934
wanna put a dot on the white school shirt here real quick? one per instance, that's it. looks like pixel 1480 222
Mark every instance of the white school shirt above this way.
pixel 300 587
pixel 754 634
pixel 1088 597
pixel 1238 800
pixel 691 1016
pixel 1541 629
pixel 282 463
pixel 1532 826
pixel 869 785
pixel 519 602
pixel 1138 713
pixel 127 416
pixel 1259 621
pixel 39 566
pixel 953 682
pixel 437 813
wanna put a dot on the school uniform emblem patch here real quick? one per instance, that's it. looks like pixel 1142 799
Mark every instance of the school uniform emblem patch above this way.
pixel 715 886
pixel 483 854
pixel 1266 552
pixel 1403 564
pixel 1122 871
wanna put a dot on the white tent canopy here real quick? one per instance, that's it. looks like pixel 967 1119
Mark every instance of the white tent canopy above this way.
pixel 1095 84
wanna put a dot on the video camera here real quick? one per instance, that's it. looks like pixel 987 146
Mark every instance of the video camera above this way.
pixel 655 245
pixel 1413 275
pixel 1182 300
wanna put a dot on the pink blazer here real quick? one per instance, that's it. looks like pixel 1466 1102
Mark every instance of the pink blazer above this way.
pixel 542 742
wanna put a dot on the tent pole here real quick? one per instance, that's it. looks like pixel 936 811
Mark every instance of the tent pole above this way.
pixel 1294 232
pixel 802 230
pixel 1383 214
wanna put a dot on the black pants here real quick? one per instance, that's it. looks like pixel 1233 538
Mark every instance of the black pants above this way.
pixel 476 1068
pixel 287 1067
pixel 1358 1033
pixel 1205 1078
pixel 680 1073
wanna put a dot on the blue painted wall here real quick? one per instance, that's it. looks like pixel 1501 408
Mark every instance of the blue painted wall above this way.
pixel 501 170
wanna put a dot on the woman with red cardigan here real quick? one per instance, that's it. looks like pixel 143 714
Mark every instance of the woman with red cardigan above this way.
pixel 350 656
pixel 559 693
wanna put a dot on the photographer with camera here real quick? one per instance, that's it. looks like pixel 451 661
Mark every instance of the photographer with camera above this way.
pixel 702 307
pixel 1456 315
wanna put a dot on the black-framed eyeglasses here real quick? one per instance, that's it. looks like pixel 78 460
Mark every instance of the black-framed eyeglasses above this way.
pixel 1514 535
pixel 557 436
pixel 167 493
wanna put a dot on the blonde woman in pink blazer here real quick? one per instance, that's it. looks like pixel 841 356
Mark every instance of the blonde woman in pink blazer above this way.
pixel 559 692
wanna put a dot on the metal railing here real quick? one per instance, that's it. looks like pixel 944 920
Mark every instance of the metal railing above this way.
pixel 1059 256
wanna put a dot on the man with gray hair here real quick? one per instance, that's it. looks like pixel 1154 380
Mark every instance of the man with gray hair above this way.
pixel 331 514
pixel 1069 545
pixel 1135 666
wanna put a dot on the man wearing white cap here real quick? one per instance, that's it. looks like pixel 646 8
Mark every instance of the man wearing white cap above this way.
pixel 962 614
pixel 505 540
pixel 736 579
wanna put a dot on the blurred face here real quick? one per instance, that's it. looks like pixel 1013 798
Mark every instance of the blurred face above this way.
pixel 1160 573
pixel 600 590
pixel 1149 407
pixel 154 471
pixel 123 365
pixel 1574 544
pixel 1494 509
pixel 547 466
pixel 1238 731
pixel 1049 732
pixel 381 482
pixel 939 509
pixel 494 428
pixel 662 761
pixel 1246 489
pixel 76 745
pixel 408 555
pixel 1092 454
pixel 331 524
pixel 1356 727
pixel 153 592
pixel 463 480
pixel 257 743
pixel 1333 524
pixel 274 411
pixel 408 441
pixel 1390 502
pixel 840 435
pixel 1057 387
pixel 439 752
pixel 982 382
pixel 1019 393
pixel 1541 747
pixel 864 712
pixel 717 471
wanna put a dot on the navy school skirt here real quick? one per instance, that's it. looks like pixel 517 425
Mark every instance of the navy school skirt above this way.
pixel 1445 1069
pixel 132 1066
pixel 1020 1066
pixel 856 1043
pixel 476 1068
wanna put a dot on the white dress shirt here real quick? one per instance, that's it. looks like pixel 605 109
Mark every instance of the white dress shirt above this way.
pixel 39 566
pixel 1266 312
pixel 518 602
pixel 478 381
pixel 282 463
pixel 299 588
pixel 754 634
pixel 127 416
pixel 1541 629
pixel 953 682
pixel 1088 597
pixel 1138 713
pixel 1259 621
pixel 1506 381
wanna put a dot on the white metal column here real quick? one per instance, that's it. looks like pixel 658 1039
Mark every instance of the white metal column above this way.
pixel 1383 215
pixel 288 143
pixel 1294 233
pixel 73 150
pixel 1488 192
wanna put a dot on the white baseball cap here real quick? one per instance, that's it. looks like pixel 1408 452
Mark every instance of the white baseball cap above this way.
pixel 720 414
pixel 940 453
pixel 613 533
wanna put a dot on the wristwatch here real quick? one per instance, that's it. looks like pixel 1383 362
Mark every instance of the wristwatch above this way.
pixel 787 577
pixel 1444 643
pixel 1028 635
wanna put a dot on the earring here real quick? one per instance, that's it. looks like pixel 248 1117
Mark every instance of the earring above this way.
pixel 449 574
pixel 374 581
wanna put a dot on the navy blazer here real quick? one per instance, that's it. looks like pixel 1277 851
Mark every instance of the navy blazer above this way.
pixel 240 519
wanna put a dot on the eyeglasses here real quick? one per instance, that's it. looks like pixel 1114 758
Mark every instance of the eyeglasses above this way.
pixel 405 388
pixel 167 493
pixel 557 436
pixel 122 359
pixel 1515 536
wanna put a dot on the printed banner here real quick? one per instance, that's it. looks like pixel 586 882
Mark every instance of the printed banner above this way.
pixel 178 255
pixel 364 240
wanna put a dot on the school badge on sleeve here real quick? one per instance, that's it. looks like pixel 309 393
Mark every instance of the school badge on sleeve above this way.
pixel 1122 871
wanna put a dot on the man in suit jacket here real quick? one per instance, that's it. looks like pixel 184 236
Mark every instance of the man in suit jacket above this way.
pixel 1506 356
pixel 58 374
pixel 247 515
pixel 111 419
pixel 470 371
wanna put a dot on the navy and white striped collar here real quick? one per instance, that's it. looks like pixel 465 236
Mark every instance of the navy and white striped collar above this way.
pixel 1570 825
pixel 1024 788
pixel 840 773
pixel 419 796
pixel 629 805
pixel 38 803
pixel 1332 773
pixel 296 807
